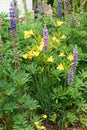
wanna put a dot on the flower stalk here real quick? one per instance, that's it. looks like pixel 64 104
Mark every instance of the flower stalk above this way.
pixel 73 67
pixel 73 7
pixel 82 3
pixel 45 37
pixel 13 28
pixel 59 9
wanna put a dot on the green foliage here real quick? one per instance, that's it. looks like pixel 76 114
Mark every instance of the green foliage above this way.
pixel 16 106
pixel 41 85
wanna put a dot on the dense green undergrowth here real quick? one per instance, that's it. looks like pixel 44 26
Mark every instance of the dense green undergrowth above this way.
pixel 34 81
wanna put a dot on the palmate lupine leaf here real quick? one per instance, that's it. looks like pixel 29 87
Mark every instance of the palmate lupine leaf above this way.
pixel 28 102
pixel 10 107
pixel 21 123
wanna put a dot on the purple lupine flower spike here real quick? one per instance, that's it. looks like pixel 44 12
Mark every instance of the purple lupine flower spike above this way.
pixel 70 77
pixel 73 67
pixel 59 9
pixel 68 6
pixel 45 37
pixel 12 14
pixel 75 58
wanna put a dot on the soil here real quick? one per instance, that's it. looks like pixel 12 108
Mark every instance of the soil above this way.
pixel 53 127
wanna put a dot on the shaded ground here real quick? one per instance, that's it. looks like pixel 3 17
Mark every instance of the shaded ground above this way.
pixel 53 127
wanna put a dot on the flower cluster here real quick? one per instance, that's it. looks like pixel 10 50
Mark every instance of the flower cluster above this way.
pixel 34 52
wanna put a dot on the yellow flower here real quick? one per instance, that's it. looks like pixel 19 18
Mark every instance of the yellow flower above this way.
pixel 63 37
pixel 25 56
pixel 45 116
pixel 30 54
pixel 50 59
pixel 38 127
pixel 60 67
pixel 27 34
pixel 70 57
pixel 61 54
pixel 59 23
pixel 36 123
pixel 42 127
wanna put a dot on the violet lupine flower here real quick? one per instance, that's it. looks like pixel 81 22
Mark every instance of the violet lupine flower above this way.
pixel 59 9
pixel 67 6
pixel 70 77
pixel 12 14
pixel 75 58
pixel 73 67
pixel 45 37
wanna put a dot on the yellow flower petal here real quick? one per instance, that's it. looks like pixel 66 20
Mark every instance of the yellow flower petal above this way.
pixel 61 54
pixel 63 37
pixel 27 34
pixel 38 127
pixel 25 56
pixel 36 123
pixel 42 127
pixel 36 53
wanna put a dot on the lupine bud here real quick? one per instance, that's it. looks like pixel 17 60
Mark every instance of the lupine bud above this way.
pixel 12 14
pixel 59 9
pixel 45 37
pixel 67 4
pixel 16 9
